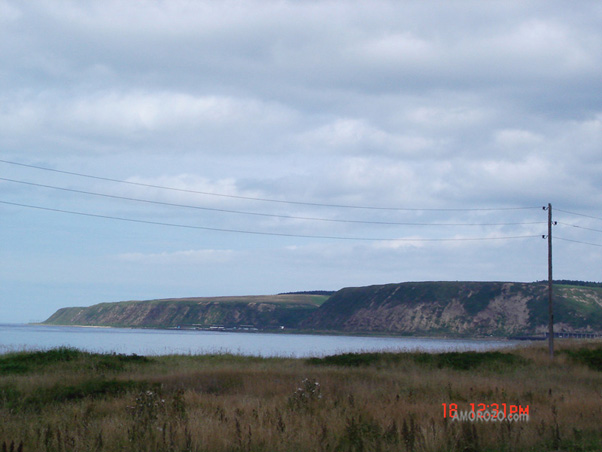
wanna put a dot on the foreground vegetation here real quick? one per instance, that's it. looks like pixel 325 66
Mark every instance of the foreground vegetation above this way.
pixel 68 400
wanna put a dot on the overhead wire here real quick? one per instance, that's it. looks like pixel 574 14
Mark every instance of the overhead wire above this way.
pixel 272 200
pixel 293 217
pixel 578 227
pixel 576 241
pixel 254 213
pixel 241 231
pixel 578 214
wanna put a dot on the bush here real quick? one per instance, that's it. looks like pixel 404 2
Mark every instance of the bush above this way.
pixel 454 360
pixel 347 359
pixel 23 362
pixel 469 360
pixel 590 357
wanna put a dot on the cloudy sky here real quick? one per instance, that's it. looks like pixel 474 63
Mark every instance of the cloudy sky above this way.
pixel 176 148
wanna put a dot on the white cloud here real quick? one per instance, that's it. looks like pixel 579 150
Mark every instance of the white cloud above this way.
pixel 186 257
pixel 141 120
pixel 19 118
pixel 355 136
pixel 138 111
pixel 8 12
pixel 516 138
pixel 407 242
pixel 396 48
pixel 540 45
pixel 448 117
pixel 155 111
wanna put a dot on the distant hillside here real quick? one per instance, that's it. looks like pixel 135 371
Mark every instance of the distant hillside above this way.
pixel 459 308
pixel 270 311
pixel 413 308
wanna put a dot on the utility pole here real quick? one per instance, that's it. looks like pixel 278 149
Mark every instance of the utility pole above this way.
pixel 550 286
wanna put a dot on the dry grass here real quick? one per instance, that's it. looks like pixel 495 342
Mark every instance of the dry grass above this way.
pixel 74 401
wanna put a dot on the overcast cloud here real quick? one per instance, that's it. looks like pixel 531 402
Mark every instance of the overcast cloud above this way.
pixel 397 104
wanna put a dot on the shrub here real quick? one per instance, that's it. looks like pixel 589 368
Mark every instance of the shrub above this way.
pixel 347 359
pixel 590 357
pixel 469 360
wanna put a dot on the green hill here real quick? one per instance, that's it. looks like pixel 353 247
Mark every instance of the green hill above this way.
pixel 460 308
pixel 269 311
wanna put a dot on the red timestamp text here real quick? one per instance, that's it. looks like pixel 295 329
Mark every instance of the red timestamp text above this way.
pixel 495 410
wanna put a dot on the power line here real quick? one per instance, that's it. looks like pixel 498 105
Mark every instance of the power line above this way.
pixel 579 227
pixel 239 231
pixel 214 209
pixel 250 198
pixel 577 241
pixel 579 214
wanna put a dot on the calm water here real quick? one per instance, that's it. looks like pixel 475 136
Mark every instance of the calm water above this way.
pixel 160 342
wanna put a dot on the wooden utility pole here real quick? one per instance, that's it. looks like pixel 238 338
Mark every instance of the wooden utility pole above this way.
pixel 550 286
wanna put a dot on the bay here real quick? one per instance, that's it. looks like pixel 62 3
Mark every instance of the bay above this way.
pixel 16 337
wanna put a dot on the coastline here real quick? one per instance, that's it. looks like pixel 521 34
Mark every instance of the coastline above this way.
pixel 292 332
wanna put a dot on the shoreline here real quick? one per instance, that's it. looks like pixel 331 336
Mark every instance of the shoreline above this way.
pixel 305 333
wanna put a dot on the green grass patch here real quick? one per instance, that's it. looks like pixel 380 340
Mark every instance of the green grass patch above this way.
pixel 28 362
pixel 349 359
pixel 116 362
pixel 10 396
pixel 470 360
pixel 93 388
pixel 480 299
pixel 591 357
pixel 453 360
pixel 23 362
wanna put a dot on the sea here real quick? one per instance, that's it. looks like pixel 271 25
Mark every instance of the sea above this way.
pixel 148 342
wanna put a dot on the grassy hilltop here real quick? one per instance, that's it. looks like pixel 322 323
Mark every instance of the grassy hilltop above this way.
pixel 68 400
pixel 268 311
pixel 414 308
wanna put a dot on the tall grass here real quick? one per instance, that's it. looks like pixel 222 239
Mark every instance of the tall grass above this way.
pixel 67 400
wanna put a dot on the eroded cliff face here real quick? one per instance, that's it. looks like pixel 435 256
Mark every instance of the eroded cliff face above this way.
pixel 458 308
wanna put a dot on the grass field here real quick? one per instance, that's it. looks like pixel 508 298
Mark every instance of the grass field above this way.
pixel 67 400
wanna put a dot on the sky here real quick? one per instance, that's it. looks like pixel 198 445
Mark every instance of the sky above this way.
pixel 159 149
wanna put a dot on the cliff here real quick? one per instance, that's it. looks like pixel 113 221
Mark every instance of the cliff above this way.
pixel 459 308
pixel 413 308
